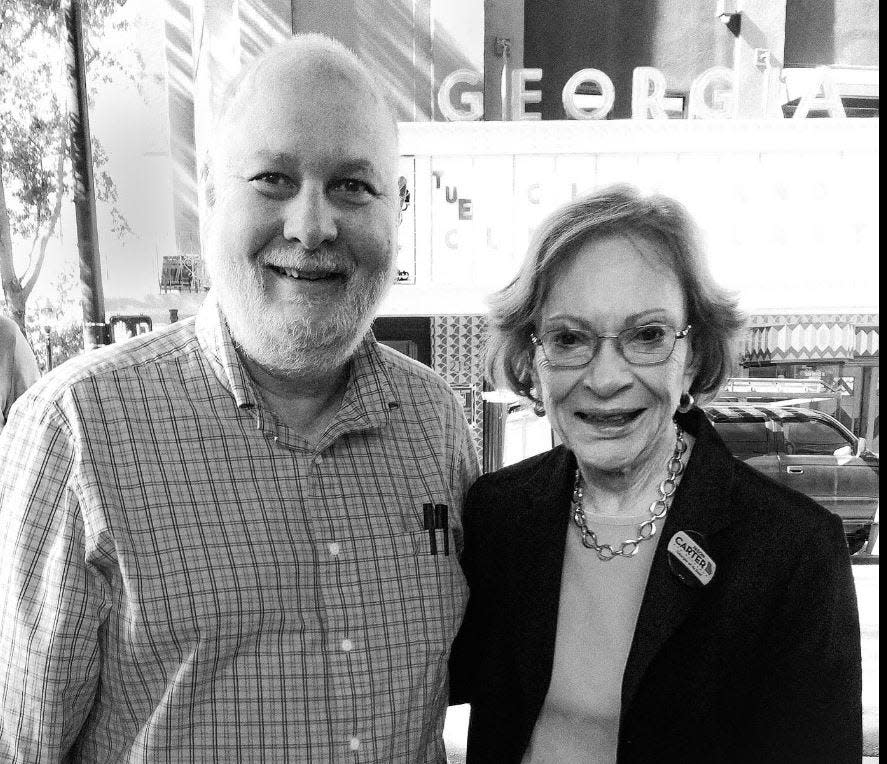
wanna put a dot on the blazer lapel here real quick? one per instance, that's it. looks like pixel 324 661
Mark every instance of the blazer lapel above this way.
pixel 701 504
pixel 537 536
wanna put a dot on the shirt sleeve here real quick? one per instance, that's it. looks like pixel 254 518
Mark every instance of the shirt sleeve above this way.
pixel 465 467
pixel 51 601
pixel 468 468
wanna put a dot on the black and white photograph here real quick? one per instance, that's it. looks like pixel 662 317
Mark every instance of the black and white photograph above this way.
pixel 461 382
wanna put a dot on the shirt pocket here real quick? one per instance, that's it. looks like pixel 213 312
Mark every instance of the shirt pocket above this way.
pixel 417 597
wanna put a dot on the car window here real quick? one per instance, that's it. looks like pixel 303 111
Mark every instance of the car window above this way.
pixel 744 439
pixel 812 438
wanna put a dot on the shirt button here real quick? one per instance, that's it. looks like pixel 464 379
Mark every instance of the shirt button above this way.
pixel 347 645
pixel 335 548
pixel 354 743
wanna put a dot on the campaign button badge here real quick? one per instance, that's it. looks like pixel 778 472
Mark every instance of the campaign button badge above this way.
pixel 688 559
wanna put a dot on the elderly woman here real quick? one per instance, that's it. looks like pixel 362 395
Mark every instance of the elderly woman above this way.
pixel 638 593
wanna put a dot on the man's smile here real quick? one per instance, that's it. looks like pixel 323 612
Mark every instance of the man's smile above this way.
pixel 308 278
pixel 309 274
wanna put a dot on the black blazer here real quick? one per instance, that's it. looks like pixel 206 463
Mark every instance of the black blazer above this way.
pixel 762 664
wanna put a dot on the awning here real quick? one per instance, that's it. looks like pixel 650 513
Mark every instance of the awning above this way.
pixel 811 337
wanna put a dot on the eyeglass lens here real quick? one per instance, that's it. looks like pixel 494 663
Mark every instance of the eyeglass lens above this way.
pixel 650 343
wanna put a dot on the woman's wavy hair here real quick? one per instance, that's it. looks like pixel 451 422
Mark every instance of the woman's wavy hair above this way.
pixel 612 211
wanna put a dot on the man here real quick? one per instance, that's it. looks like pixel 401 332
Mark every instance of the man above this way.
pixel 213 537
pixel 18 367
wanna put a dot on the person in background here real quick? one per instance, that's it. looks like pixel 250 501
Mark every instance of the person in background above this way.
pixel 637 593
pixel 213 538
pixel 18 367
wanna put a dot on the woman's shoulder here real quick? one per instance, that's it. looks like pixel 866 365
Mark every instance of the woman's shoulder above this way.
pixel 766 503
pixel 777 515
pixel 535 471
pixel 766 494
pixel 543 480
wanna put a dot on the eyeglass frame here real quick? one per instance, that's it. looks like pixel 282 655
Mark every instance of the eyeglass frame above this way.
pixel 678 335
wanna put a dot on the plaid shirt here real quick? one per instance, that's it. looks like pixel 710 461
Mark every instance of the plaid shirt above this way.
pixel 185 579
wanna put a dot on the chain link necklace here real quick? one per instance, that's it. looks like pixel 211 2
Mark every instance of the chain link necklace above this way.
pixel 647 529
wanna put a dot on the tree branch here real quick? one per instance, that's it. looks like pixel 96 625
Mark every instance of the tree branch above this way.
pixel 33 247
pixel 34 268
pixel 7 271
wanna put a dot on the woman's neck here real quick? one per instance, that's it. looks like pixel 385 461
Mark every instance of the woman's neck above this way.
pixel 631 491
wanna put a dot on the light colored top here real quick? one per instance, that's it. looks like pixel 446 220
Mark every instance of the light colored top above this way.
pixel 18 367
pixel 183 579
pixel 598 611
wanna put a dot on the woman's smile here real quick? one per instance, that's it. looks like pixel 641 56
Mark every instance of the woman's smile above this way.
pixel 609 421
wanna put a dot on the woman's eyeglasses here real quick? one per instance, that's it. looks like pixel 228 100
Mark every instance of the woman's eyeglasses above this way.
pixel 640 345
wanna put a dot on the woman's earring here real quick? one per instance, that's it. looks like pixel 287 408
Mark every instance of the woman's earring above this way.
pixel 538 408
pixel 686 402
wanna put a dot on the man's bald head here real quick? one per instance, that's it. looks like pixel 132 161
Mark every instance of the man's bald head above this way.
pixel 323 59
pixel 300 54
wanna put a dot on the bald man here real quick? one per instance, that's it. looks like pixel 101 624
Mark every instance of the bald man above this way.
pixel 236 539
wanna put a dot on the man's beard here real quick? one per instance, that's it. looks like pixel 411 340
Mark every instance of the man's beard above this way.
pixel 287 338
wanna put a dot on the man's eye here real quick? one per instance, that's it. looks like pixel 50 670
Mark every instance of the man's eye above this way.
pixel 354 188
pixel 272 180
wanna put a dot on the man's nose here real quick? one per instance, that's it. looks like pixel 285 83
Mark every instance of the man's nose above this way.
pixel 608 372
pixel 310 217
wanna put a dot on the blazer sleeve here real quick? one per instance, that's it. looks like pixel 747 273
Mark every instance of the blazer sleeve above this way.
pixel 464 653
pixel 482 667
pixel 810 703
pixel 480 661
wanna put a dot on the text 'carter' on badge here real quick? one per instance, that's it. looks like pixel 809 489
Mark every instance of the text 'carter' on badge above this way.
pixel 688 560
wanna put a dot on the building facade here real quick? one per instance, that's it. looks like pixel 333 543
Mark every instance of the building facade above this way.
pixel 737 73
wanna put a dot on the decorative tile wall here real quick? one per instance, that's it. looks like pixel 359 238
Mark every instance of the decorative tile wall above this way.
pixel 458 344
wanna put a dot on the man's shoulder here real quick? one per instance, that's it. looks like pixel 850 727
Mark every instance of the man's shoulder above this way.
pixel 404 369
pixel 104 366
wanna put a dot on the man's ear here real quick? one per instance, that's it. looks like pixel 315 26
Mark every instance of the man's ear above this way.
pixel 404 198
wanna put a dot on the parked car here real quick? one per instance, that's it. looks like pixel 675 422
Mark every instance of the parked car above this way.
pixel 809 451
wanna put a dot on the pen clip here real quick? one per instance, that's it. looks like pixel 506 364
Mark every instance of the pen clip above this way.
pixel 430 525
pixel 442 521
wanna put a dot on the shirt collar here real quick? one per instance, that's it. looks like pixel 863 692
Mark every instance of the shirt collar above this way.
pixel 369 396
pixel 215 339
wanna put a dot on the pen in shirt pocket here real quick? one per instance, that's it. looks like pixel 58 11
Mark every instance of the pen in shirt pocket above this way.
pixel 435 518
pixel 442 521
pixel 430 526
